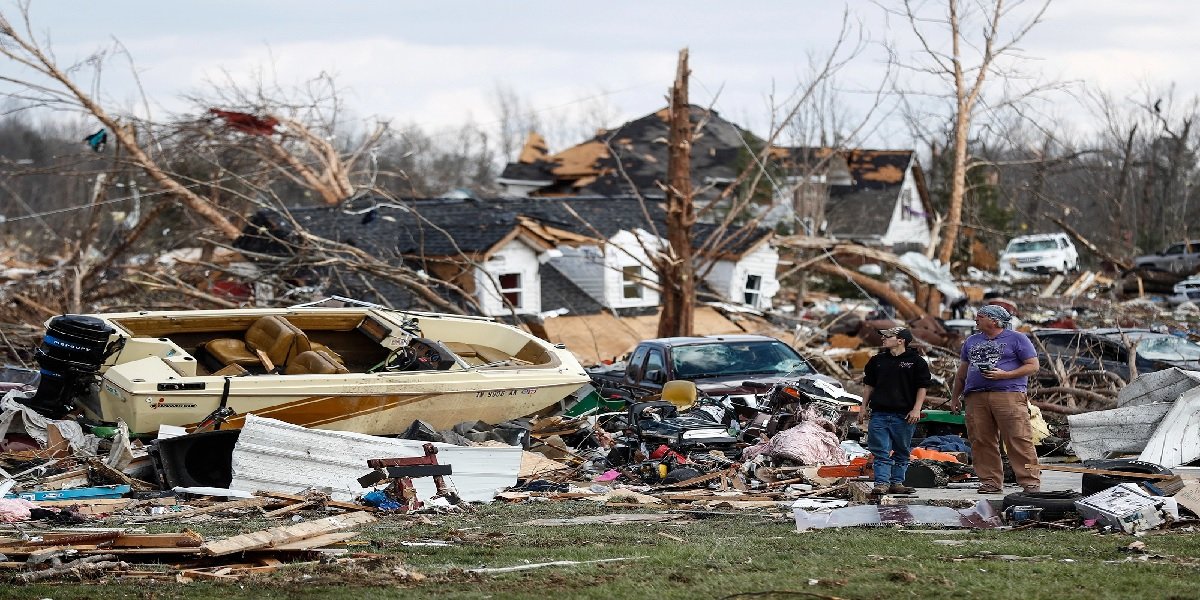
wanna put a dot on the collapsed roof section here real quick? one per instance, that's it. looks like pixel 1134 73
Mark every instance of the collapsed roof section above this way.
pixel 861 186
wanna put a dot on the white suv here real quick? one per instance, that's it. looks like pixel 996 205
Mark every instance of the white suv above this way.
pixel 1039 254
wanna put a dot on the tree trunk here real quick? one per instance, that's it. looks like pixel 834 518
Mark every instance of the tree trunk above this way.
pixel 676 272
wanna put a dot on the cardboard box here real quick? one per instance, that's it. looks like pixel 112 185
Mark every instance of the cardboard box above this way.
pixel 1124 507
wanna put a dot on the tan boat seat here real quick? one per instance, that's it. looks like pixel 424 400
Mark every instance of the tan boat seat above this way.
pixel 327 350
pixel 314 362
pixel 477 354
pixel 273 335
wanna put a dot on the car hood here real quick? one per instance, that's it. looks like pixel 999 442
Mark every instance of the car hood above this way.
pixel 733 384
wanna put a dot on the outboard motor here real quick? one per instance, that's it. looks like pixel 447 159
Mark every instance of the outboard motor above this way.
pixel 72 351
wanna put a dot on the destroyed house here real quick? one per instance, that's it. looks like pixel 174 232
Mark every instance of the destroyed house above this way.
pixel 877 197
pixel 529 256
pixel 592 168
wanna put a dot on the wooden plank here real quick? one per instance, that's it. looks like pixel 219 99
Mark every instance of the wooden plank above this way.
pixel 187 539
pixel 1100 471
pixel 287 510
pixel 299 498
pixel 269 538
pixel 316 542
pixel 70 479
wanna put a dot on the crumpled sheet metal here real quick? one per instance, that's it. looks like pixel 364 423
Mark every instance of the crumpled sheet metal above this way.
pixel 980 516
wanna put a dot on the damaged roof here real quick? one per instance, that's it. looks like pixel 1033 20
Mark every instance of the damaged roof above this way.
pixel 864 208
pixel 592 168
pixel 864 184
pixel 450 227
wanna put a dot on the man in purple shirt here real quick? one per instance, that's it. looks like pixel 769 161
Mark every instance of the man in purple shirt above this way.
pixel 992 376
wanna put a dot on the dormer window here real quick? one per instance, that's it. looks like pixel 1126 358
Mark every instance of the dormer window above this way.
pixel 510 288
pixel 631 282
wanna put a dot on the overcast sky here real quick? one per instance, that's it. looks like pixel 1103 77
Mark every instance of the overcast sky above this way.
pixel 436 63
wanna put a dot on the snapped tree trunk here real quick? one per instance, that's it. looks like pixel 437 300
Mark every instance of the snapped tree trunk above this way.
pixel 676 271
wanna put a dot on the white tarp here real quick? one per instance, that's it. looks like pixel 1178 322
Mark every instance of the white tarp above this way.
pixel 929 271
pixel 276 456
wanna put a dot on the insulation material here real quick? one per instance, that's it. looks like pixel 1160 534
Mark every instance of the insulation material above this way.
pixel 275 456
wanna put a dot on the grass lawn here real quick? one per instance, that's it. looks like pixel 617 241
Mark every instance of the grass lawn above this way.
pixel 746 555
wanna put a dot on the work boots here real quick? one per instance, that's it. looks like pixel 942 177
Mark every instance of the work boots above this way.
pixel 900 488
pixel 880 489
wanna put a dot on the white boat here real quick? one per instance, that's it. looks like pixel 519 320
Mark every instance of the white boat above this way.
pixel 365 369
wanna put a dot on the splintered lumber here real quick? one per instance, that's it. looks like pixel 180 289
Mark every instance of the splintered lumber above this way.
pixel 244 503
pixel 269 538
pixel 326 502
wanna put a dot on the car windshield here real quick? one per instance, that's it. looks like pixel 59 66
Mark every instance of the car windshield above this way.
pixel 739 358
pixel 1032 246
pixel 1167 347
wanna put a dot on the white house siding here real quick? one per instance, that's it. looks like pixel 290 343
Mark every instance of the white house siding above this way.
pixel 728 278
pixel 907 226
pixel 584 266
pixel 514 257
pixel 624 250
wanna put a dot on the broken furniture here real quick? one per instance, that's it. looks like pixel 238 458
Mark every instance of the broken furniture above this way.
pixel 402 471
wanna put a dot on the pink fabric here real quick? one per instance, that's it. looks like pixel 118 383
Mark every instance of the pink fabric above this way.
pixel 608 475
pixel 15 509
pixel 810 443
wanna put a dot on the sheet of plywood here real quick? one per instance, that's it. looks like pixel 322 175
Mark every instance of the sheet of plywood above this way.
pixel 276 536
pixel 277 456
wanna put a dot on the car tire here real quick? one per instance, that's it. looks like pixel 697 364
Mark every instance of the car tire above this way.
pixel 1055 505
pixel 1094 482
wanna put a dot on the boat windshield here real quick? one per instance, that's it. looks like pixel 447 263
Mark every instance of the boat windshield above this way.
pixel 1168 347
pixel 722 358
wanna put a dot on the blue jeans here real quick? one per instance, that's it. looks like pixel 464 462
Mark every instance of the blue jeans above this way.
pixel 889 438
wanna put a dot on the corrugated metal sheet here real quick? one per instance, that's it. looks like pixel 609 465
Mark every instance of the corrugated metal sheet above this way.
pixel 277 456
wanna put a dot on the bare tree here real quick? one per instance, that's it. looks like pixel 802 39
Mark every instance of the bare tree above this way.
pixel 965 68
pixel 43 82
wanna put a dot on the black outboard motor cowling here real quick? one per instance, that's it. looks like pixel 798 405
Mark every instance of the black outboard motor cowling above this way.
pixel 72 351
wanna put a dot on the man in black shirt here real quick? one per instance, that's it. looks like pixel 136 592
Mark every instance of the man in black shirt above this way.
pixel 896 379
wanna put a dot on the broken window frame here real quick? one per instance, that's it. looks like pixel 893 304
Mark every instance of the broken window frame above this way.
pixel 752 289
pixel 511 295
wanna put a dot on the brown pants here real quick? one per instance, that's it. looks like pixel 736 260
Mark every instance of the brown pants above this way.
pixel 995 416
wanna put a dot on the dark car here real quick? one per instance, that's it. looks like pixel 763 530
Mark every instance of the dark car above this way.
pixel 1181 257
pixel 719 365
pixel 1108 350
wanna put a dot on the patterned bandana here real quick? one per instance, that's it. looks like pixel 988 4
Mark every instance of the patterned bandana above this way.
pixel 997 314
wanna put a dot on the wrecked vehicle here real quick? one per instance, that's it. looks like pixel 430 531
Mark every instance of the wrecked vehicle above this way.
pixel 1108 350
pixel 1181 257
pixel 718 365
pixel 365 369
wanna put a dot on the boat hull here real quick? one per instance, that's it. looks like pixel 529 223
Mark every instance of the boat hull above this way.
pixel 158 371
pixel 376 405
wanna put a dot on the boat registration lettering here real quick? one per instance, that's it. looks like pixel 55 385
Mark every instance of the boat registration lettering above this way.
pixel 162 403
pixel 500 393
pixel 114 391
